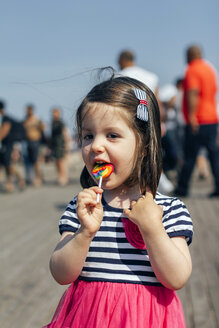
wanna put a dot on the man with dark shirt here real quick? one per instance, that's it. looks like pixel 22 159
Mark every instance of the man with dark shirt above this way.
pixel 6 148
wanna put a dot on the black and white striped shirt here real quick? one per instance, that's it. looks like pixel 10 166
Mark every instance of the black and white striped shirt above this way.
pixel 111 257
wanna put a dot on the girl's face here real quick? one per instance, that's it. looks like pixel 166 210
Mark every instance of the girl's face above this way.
pixel 107 138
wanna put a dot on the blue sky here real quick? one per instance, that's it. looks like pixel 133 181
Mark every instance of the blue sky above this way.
pixel 66 40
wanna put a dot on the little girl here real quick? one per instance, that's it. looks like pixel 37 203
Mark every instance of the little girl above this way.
pixel 125 255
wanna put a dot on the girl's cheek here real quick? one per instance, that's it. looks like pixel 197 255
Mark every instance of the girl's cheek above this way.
pixel 85 150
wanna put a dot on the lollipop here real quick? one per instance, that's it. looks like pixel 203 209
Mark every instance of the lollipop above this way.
pixel 102 171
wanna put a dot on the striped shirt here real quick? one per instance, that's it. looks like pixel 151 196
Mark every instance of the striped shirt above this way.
pixel 111 257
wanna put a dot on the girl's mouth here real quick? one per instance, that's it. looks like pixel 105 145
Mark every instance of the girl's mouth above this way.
pixel 101 163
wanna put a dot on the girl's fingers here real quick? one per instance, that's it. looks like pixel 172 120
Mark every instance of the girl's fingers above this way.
pixel 149 194
pixel 96 189
pixel 91 191
pixel 81 205
pixel 88 198
pixel 133 202
pixel 127 212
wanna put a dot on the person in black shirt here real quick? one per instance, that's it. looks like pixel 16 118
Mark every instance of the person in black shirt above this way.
pixel 7 139
pixel 59 146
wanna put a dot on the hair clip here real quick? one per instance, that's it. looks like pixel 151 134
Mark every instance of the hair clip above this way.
pixel 142 110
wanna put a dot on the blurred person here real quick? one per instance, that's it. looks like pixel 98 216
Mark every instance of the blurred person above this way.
pixel 200 112
pixel 179 118
pixel 179 101
pixel 167 95
pixel 129 68
pixel 60 146
pixel 34 132
pixel 8 136
pixel 201 162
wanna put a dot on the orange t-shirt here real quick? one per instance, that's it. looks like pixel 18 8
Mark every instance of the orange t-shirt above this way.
pixel 201 76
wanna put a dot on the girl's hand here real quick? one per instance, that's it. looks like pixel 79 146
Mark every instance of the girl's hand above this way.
pixel 145 213
pixel 90 213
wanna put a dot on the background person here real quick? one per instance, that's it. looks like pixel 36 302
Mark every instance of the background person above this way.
pixel 202 160
pixel 8 135
pixel 170 147
pixel 34 132
pixel 129 68
pixel 200 112
pixel 60 146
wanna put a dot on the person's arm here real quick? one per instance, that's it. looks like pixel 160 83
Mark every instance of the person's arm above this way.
pixel 4 130
pixel 192 102
pixel 169 257
pixel 70 253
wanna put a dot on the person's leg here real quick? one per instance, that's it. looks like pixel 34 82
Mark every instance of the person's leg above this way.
pixel 213 151
pixel 15 173
pixel 9 185
pixel 62 171
pixel 202 164
pixel 191 148
pixel 34 158
pixel 26 161
pixel 180 143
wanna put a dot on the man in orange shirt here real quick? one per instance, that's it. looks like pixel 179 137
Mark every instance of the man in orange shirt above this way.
pixel 200 112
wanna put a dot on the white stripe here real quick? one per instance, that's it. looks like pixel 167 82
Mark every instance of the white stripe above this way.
pixel 178 211
pixel 179 228
pixel 112 234
pixel 175 221
pixel 111 245
pixel 115 276
pixel 70 214
pixel 114 214
pixel 68 222
pixel 112 224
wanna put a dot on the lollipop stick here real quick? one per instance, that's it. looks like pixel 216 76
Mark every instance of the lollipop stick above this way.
pixel 99 185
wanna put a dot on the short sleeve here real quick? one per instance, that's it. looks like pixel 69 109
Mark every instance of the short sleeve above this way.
pixel 69 220
pixel 192 80
pixel 177 221
pixel 6 119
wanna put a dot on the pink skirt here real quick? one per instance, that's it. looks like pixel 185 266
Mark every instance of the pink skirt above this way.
pixel 118 305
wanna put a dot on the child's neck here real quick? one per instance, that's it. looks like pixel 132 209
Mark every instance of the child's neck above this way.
pixel 121 197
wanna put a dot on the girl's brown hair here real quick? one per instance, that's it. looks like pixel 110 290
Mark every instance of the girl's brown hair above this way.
pixel 119 92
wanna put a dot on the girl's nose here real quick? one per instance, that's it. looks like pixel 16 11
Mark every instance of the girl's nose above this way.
pixel 98 145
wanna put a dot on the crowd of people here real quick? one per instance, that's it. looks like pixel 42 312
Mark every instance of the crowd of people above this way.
pixel 189 120
pixel 189 125
pixel 27 143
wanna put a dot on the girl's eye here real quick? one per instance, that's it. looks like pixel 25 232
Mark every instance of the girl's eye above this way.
pixel 87 136
pixel 113 135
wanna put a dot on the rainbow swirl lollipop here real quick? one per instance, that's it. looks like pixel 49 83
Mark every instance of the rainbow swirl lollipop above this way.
pixel 100 172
